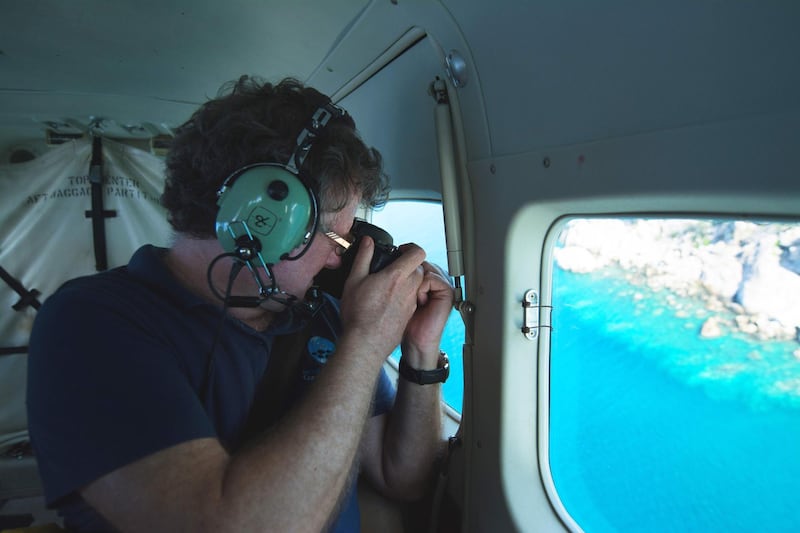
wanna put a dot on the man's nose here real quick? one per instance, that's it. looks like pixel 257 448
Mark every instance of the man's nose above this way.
pixel 334 260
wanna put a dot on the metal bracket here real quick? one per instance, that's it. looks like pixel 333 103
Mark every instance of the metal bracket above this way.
pixel 532 320
pixel 530 314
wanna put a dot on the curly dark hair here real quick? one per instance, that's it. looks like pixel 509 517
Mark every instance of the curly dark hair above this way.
pixel 252 121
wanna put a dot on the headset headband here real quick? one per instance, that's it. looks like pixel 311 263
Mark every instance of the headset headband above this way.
pixel 308 135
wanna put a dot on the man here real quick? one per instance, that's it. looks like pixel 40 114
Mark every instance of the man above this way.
pixel 150 400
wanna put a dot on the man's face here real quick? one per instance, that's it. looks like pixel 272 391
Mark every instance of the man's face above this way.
pixel 296 277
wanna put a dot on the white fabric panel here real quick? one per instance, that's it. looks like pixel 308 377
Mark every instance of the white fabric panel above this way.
pixel 46 238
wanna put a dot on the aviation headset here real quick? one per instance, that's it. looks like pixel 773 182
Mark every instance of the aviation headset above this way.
pixel 266 210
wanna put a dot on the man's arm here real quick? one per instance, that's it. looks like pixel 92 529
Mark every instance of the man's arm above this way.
pixel 400 449
pixel 292 478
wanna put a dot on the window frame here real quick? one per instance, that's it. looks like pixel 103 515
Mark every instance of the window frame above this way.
pixel 544 346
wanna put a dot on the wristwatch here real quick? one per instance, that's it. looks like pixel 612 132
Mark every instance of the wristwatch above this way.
pixel 426 377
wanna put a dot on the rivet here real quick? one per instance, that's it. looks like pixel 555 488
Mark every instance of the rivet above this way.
pixel 546 162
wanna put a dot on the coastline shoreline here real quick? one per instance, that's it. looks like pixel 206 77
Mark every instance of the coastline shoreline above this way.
pixel 745 270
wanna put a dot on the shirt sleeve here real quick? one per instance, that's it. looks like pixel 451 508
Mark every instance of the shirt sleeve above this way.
pixel 103 391
pixel 384 395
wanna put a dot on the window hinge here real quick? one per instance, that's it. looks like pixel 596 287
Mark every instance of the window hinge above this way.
pixel 531 311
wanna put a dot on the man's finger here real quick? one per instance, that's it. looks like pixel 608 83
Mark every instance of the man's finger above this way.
pixel 363 258
pixel 411 257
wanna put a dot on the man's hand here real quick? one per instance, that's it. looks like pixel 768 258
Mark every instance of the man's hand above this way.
pixel 377 307
pixel 423 333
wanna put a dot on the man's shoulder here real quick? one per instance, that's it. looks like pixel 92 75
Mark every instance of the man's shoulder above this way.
pixel 107 286
pixel 103 290
pixel 106 297
pixel 140 281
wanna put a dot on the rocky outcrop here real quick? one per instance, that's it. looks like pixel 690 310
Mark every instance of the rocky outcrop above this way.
pixel 751 270
pixel 790 256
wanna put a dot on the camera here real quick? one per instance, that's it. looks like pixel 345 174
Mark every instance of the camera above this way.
pixel 385 251
pixel 332 281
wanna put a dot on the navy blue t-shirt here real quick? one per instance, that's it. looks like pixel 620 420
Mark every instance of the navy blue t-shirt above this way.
pixel 117 362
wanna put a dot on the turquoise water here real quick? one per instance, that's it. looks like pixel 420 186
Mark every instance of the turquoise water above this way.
pixel 654 428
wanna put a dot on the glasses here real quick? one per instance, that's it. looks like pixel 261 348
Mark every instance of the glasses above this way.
pixel 342 244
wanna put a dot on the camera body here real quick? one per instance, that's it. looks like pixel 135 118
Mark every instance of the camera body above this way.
pixel 385 251
pixel 332 281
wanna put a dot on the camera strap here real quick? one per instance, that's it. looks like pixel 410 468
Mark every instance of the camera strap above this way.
pixel 278 389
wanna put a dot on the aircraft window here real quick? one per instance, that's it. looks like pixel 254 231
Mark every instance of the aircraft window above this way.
pixel 675 374
pixel 422 222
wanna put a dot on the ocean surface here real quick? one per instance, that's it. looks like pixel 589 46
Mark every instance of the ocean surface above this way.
pixel 654 428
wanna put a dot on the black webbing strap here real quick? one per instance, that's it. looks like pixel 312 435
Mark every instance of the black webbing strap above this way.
pixel 97 213
pixel 12 350
pixel 274 394
pixel 15 521
pixel 26 297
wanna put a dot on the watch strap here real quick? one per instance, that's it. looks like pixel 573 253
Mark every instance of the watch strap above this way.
pixel 426 377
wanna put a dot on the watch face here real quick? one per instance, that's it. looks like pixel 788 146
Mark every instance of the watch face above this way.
pixel 445 367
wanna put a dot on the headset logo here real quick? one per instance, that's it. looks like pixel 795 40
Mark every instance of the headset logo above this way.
pixel 261 220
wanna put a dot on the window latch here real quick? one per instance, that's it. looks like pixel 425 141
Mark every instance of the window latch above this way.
pixel 531 319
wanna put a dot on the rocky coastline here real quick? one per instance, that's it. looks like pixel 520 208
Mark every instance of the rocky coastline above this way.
pixel 747 274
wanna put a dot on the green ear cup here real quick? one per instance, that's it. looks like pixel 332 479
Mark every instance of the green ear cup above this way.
pixel 268 203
